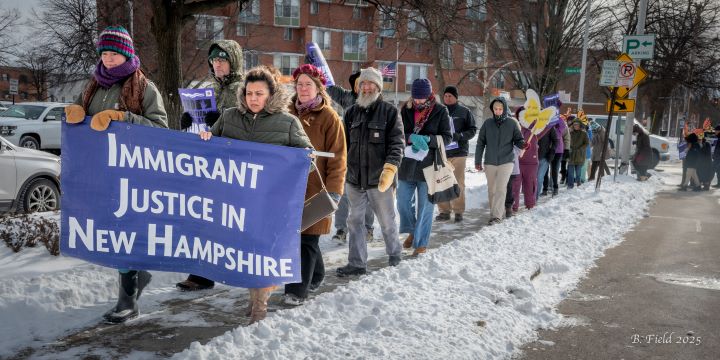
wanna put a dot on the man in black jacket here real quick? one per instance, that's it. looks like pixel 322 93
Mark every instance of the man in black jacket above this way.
pixel 374 133
pixel 463 129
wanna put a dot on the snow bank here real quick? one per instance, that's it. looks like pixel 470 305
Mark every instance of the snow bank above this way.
pixel 477 297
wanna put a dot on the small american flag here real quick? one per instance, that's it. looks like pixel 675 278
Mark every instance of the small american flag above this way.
pixel 390 70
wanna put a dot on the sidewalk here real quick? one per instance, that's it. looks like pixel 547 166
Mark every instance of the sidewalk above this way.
pixel 655 296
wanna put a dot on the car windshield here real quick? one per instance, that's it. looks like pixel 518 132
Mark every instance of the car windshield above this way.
pixel 31 112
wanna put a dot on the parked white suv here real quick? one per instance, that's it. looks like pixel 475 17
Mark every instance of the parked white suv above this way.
pixel 29 180
pixel 33 125
pixel 660 146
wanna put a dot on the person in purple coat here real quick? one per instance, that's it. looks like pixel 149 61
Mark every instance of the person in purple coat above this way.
pixel 528 170
pixel 562 132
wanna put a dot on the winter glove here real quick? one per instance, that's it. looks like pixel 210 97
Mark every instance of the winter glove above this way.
pixel 419 142
pixel 186 121
pixel 335 196
pixel 566 154
pixel 74 114
pixel 478 167
pixel 211 117
pixel 457 137
pixel 387 177
pixel 101 120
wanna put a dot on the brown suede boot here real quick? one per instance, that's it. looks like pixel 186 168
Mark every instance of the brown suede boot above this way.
pixel 408 241
pixel 420 250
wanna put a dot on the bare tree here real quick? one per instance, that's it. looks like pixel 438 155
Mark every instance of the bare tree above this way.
pixel 542 37
pixel 42 67
pixel 8 23
pixel 67 30
pixel 687 48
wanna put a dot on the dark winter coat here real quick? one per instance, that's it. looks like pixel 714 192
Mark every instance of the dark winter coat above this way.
pixel 597 144
pixel 578 143
pixel 375 137
pixel 643 151
pixel 496 139
pixel 272 125
pixel 692 159
pixel 226 89
pixel 343 98
pixel 465 128
pixel 716 154
pixel 437 124
pixel 326 132
pixel 547 145
pixel 705 167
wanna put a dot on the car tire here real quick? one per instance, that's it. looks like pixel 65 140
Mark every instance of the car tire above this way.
pixel 655 159
pixel 40 195
pixel 29 142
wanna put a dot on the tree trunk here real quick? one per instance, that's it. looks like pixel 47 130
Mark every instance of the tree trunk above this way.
pixel 166 25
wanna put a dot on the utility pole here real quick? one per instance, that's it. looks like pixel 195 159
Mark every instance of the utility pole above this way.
pixel 640 30
pixel 583 66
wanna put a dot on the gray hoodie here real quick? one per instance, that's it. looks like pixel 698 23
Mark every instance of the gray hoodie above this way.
pixel 496 138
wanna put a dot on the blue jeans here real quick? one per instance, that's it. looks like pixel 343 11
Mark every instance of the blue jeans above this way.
pixel 408 192
pixel 542 170
pixel 573 175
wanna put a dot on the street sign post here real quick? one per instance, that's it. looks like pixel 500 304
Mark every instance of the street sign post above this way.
pixel 621 105
pixel 573 70
pixel 14 86
pixel 640 75
pixel 609 74
pixel 639 47
pixel 626 74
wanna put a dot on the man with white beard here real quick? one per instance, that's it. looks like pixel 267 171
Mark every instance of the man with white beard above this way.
pixel 374 133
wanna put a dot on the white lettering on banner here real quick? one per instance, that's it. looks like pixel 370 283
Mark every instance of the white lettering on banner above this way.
pixel 146 158
pixel 214 253
pixel 120 241
pixel 139 201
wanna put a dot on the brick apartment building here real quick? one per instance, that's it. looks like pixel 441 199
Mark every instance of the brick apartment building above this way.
pixel 351 33
pixel 26 91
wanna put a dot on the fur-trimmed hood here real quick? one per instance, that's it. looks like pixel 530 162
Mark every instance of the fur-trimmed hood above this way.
pixel 276 103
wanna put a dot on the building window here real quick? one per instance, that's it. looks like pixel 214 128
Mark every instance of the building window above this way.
pixel 522 38
pixel 500 79
pixel 4 77
pixel 23 79
pixel 314 7
pixel 241 29
pixel 285 63
pixel 413 72
pixel 502 37
pixel 322 38
pixel 356 2
pixel 250 12
pixel 387 25
pixel 355 47
pixel 250 59
pixel 355 67
pixel 476 9
pixel 416 26
pixel 446 57
pixel 473 54
pixel 208 28
pixel 379 42
pixel 357 12
pixel 287 13
pixel 288 34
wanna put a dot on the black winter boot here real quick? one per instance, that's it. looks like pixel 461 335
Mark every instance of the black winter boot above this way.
pixel 130 289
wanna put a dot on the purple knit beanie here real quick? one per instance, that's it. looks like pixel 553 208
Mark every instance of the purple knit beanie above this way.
pixel 421 89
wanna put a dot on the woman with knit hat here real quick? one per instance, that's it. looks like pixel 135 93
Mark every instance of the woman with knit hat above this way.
pixel 119 91
pixel 261 116
pixel 312 105
pixel 423 119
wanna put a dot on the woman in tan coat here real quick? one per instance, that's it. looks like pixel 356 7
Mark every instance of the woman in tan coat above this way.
pixel 321 123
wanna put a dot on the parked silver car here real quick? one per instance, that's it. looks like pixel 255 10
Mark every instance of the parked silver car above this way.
pixel 29 179
pixel 33 125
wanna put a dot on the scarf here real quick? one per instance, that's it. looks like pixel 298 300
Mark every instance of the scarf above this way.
pixel 109 77
pixel 133 86
pixel 424 111
pixel 305 108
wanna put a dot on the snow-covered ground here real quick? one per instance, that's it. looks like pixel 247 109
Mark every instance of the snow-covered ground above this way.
pixel 472 298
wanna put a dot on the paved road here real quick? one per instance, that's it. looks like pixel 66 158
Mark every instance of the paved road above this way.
pixel 655 296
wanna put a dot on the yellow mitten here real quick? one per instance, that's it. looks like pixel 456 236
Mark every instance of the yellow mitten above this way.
pixel 386 177
pixel 74 114
pixel 101 120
